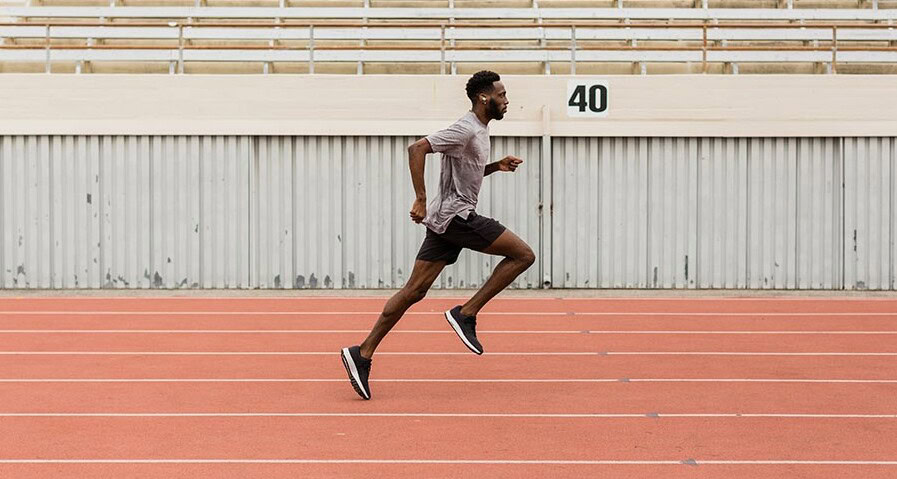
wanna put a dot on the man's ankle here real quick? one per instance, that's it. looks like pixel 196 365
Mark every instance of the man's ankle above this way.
pixel 468 312
pixel 365 353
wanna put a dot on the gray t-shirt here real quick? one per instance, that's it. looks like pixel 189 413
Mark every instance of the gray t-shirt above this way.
pixel 465 152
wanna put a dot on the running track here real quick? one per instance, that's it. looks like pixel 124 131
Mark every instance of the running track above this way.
pixel 254 388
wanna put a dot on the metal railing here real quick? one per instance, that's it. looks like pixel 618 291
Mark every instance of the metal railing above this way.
pixel 445 44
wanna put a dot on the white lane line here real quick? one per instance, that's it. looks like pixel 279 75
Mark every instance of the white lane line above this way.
pixel 735 353
pixel 430 313
pixel 417 331
pixel 280 353
pixel 429 353
pixel 443 380
pixel 508 296
pixel 263 331
pixel 464 415
pixel 685 462
pixel 759 380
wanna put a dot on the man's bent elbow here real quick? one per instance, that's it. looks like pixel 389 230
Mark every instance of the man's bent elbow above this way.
pixel 421 146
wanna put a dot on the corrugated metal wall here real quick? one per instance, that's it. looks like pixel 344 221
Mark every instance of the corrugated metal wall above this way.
pixel 124 211
pixel 870 232
pixel 724 213
pixel 332 212
pixel 219 212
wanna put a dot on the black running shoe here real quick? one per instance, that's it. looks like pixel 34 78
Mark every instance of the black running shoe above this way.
pixel 358 368
pixel 466 327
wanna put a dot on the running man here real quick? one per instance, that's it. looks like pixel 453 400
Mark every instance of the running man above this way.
pixel 452 224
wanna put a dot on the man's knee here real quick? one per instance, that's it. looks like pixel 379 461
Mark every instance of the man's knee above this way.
pixel 526 256
pixel 415 292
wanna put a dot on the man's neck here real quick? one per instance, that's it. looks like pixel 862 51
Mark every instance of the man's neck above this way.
pixel 481 115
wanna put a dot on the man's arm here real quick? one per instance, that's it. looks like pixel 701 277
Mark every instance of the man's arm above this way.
pixel 417 155
pixel 508 163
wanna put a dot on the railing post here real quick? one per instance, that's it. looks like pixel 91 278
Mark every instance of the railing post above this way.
pixel 311 48
pixel 268 66
pixel 891 43
pixel 834 49
pixel 543 42
pixel 453 67
pixel 704 49
pixel 180 48
pixel 573 50
pixel 442 49
pixel 47 46
pixel 364 30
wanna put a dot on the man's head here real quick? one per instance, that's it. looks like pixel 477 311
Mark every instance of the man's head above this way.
pixel 485 90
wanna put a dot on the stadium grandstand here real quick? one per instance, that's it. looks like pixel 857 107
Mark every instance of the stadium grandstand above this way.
pixel 449 37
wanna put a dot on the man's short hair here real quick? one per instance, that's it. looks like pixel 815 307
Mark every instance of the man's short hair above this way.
pixel 480 82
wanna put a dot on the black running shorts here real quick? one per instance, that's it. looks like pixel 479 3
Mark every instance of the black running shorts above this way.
pixel 476 233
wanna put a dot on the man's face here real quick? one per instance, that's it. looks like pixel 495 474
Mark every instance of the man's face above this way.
pixel 498 102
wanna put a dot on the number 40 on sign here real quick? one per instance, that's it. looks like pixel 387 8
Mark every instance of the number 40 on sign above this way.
pixel 587 98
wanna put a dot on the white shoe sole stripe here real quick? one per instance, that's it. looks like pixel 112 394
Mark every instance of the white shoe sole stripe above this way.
pixel 457 328
pixel 354 371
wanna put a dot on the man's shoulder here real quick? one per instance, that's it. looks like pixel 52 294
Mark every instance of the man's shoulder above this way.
pixel 467 122
pixel 462 127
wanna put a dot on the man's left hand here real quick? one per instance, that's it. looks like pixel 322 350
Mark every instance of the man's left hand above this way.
pixel 509 163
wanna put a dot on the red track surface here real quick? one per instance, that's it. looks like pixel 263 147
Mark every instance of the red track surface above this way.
pixel 251 387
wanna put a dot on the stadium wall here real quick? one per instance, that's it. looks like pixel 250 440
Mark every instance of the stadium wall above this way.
pixel 785 182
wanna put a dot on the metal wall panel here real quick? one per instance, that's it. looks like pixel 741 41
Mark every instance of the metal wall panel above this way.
pixel 623 211
pixel 772 210
pixel 271 213
pixel 868 219
pixel 715 212
pixel 722 256
pixel 318 207
pixel 819 213
pixel 126 229
pixel 76 208
pixel 575 166
pixel 348 225
pixel 332 212
pixel 672 212
pixel 224 211
pixel 600 212
pixel 174 211
pixel 893 148
pixel 124 211
pixel 26 261
pixel 174 207
pixel 369 220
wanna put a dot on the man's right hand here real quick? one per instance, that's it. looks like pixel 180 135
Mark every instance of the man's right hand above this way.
pixel 419 210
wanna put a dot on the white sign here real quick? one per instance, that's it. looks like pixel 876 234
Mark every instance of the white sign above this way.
pixel 587 98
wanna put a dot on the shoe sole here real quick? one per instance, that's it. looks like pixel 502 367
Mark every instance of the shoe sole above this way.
pixel 352 371
pixel 454 324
